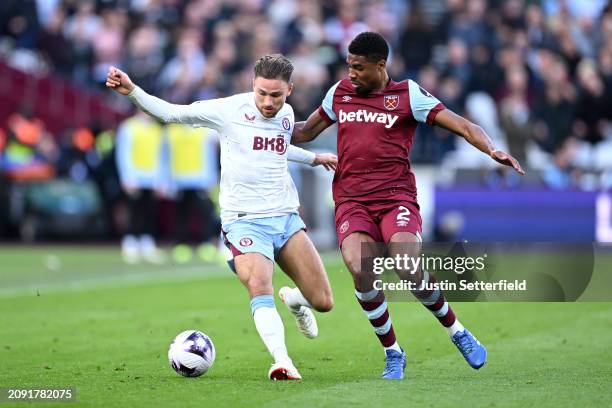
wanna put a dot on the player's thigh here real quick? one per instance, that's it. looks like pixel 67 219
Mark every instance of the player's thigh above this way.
pixel 300 260
pixel 255 272
pixel 252 249
pixel 400 216
pixel 358 251
pixel 407 245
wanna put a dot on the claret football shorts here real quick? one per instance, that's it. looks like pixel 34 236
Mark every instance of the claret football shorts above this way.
pixel 378 218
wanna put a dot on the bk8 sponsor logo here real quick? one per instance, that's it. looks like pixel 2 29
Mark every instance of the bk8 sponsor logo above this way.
pixel 274 144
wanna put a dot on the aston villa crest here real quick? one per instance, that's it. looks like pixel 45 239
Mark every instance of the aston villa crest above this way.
pixel 286 124
pixel 391 102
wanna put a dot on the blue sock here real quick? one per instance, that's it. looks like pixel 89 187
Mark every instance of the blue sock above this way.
pixel 262 301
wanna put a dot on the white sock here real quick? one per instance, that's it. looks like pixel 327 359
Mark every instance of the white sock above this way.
pixel 129 243
pixel 456 327
pixel 129 249
pixel 395 347
pixel 271 330
pixel 295 300
pixel 147 244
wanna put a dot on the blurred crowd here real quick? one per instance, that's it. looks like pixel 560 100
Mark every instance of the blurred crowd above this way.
pixel 536 75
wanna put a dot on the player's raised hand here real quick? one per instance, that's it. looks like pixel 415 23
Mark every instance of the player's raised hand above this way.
pixel 328 160
pixel 507 160
pixel 119 81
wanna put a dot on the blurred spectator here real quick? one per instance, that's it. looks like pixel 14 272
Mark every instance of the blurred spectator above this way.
pixel 139 161
pixel 78 156
pixel 515 111
pixel 194 172
pixel 486 75
pixel 560 174
pixel 345 25
pixel 144 56
pixel 108 43
pixel 56 48
pixel 29 151
pixel 416 42
pixel 185 70
pixel 19 21
pixel 306 92
pixel 458 64
pixel 554 106
pixel 468 25
pixel 594 107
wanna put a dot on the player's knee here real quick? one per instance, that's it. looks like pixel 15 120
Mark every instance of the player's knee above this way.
pixel 259 285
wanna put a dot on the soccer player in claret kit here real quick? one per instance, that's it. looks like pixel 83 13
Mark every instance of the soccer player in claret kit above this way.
pixel 259 202
pixel 374 188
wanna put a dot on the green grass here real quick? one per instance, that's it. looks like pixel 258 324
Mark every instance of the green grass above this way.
pixel 78 317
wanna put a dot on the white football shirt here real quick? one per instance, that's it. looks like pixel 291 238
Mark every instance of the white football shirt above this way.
pixel 255 181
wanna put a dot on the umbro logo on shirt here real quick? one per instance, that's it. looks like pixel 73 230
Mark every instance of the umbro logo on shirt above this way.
pixel 249 118
pixel 424 92
pixel 346 98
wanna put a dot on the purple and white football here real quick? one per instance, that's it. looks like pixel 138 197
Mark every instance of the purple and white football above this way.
pixel 192 353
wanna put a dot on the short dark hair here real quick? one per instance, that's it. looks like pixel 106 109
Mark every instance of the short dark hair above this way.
pixel 370 45
pixel 275 66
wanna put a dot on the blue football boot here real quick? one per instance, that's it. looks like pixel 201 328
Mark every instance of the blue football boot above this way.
pixel 395 365
pixel 473 352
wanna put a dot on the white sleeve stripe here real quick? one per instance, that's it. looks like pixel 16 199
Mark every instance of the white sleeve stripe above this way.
pixel 421 102
pixel 328 102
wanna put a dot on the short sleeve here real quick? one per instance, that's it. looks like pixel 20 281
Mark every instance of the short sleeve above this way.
pixel 424 105
pixel 328 103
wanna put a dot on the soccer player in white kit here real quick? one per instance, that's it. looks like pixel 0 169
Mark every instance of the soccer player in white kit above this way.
pixel 259 202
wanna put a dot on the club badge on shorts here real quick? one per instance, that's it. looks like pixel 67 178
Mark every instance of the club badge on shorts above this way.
pixel 344 227
pixel 245 241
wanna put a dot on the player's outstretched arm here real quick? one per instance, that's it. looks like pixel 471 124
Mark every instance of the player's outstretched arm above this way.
pixel 204 113
pixel 310 129
pixel 476 136
pixel 328 160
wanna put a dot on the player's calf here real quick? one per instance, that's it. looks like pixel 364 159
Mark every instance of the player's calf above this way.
pixel 322 302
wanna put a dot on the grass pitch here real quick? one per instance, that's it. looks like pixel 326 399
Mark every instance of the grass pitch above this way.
pixel 78 317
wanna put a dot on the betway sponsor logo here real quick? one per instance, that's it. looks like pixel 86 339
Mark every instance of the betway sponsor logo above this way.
pixel 363 115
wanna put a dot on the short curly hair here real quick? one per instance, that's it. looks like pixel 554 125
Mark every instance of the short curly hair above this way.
pixel 275 66
pixel 370 45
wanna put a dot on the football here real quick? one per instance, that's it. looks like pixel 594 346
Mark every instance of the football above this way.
pixel 191 353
